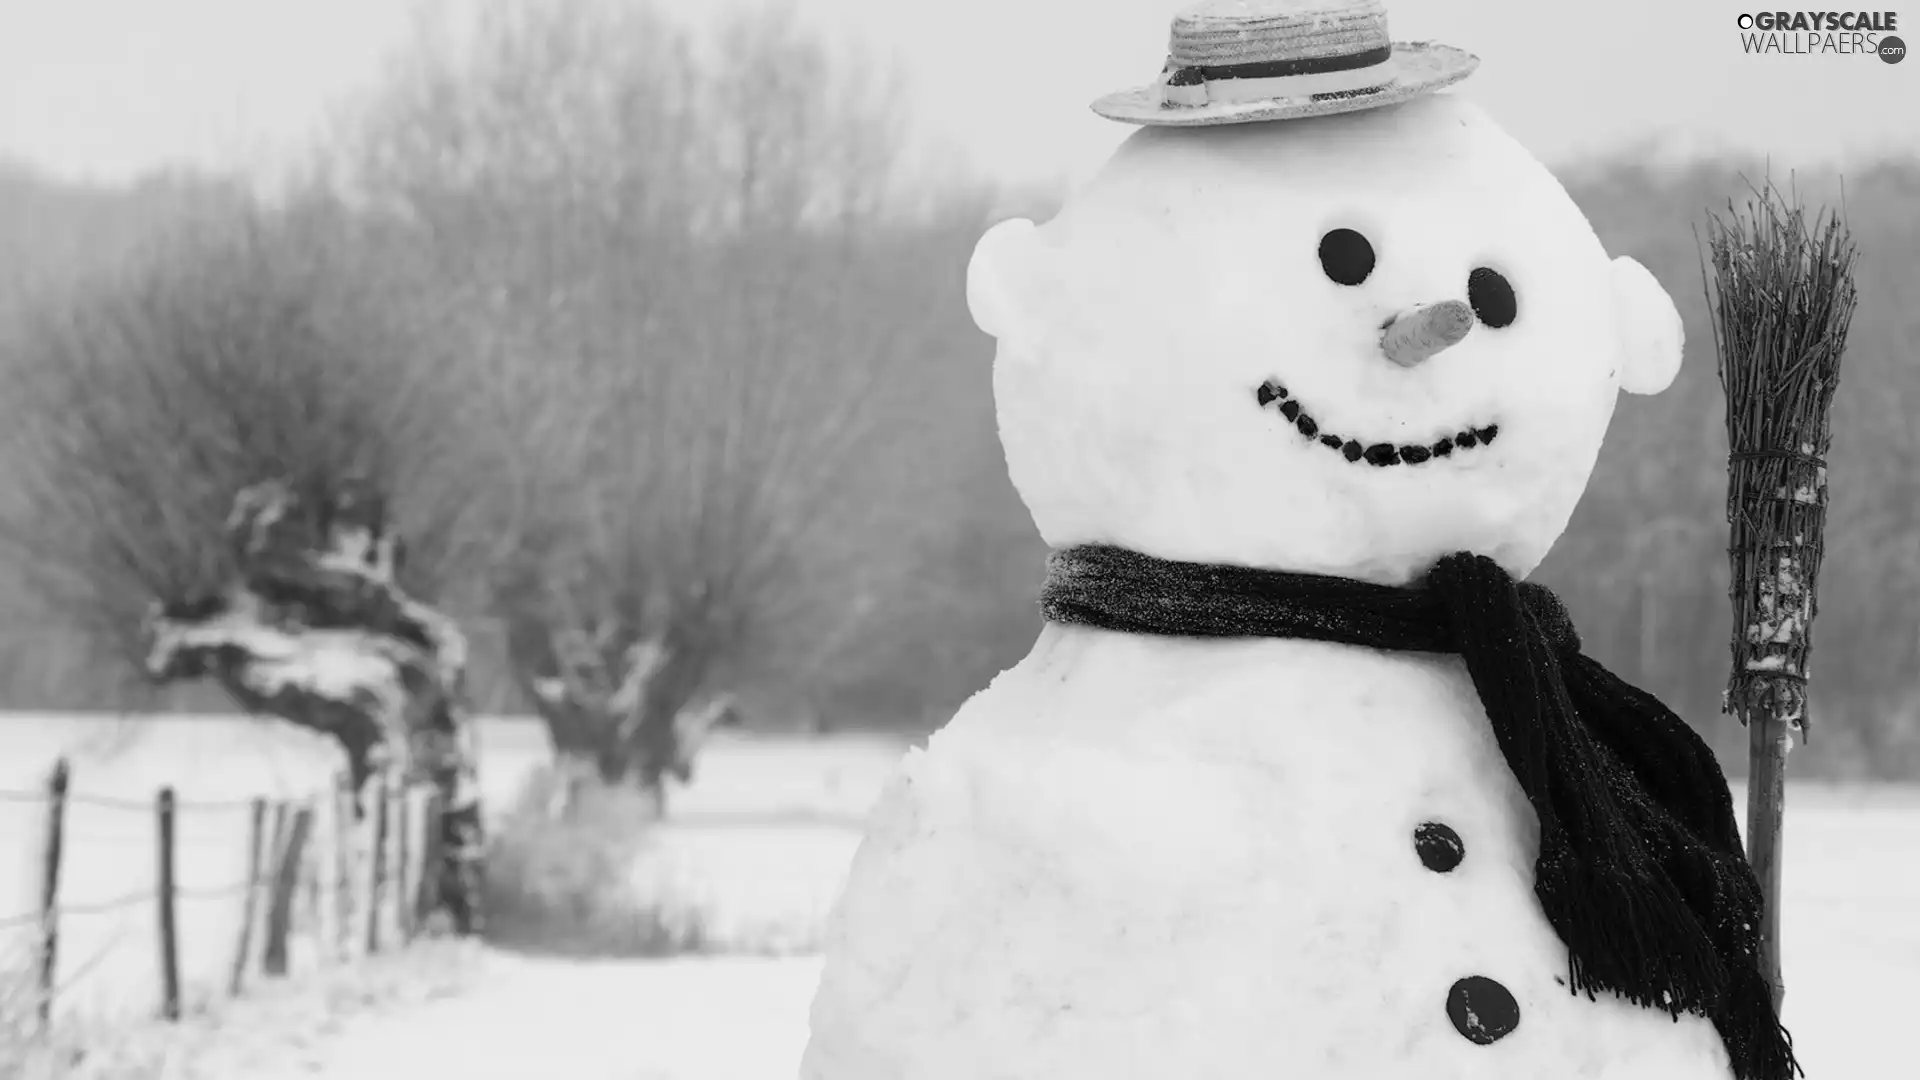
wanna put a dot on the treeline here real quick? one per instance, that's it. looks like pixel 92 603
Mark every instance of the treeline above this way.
pixel 646 354
pixel 648 335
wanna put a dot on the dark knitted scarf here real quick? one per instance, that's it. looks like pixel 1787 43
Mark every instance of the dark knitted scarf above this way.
pixel 1641 870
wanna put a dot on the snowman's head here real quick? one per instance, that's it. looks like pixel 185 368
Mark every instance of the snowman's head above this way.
pixel 1347 345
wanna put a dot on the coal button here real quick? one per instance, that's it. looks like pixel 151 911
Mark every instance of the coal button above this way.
pixel 1482 1010
pixel 1439 847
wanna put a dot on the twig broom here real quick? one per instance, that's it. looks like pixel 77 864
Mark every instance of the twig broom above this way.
pixel 1781 296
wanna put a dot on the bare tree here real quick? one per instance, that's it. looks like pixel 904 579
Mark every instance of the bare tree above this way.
pixel 204 467
pixel 667 241
pixel 231 353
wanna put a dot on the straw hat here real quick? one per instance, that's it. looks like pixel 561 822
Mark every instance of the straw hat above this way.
pixel 1241 61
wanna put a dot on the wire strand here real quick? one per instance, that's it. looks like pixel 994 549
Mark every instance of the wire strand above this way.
pixel 180 892
pixel 115 802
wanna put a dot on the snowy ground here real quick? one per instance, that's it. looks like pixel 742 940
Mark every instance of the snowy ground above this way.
pixel 767 829
pixel 1852 938
pixel 712 1019
pixel 279 1028
pixel 108 959
pixel 1853 956
pixel 756 848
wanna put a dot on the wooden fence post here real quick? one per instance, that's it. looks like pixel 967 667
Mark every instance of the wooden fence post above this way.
pixel 50 890
pixel 345 835
pixel 376 862
pixel 403 862
pixel 256 835
pixel 432 851
pixel 169 926
pixel 286 880
pixel 311 913
pixel 269 877
pixel 270 963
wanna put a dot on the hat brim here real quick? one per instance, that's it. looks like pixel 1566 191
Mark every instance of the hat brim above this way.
pixel 1415 68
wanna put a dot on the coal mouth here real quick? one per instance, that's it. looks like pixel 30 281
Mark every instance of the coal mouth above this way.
pixel 1381 454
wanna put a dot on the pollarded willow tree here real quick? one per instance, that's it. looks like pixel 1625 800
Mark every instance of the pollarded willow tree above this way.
pixel 232 467
pixel 669 242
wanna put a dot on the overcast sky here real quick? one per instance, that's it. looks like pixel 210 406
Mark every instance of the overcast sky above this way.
pixel 108 88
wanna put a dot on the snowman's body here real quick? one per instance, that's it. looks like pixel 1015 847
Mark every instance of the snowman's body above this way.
pixel 1197 859
pixel 1142 858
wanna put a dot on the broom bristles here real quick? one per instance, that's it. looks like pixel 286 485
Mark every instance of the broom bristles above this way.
pixel 1781 297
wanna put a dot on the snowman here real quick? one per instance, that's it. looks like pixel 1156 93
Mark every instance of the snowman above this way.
pixel 1299 779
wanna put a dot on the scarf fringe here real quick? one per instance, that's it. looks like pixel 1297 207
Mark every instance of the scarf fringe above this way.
pixel 1630 927
pixel 1748 1021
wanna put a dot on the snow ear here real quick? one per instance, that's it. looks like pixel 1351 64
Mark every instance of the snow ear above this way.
pixel 1002 276
pixel 1648 328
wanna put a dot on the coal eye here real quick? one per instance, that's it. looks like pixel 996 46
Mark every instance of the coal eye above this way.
pixel 1492 297
pixel 1346 256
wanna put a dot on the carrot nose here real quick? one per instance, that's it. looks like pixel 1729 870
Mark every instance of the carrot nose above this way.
pixel 1419 333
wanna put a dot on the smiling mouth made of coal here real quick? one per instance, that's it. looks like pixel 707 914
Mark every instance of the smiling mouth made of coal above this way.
pixel 1379 453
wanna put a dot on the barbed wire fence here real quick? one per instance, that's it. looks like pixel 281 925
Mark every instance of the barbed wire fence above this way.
pixel 373 896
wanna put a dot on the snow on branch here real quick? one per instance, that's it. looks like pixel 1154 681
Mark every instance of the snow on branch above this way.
pixel 314 630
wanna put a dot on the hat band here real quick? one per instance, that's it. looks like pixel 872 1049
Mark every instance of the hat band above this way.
pixel 1197 86
pixel 1282 69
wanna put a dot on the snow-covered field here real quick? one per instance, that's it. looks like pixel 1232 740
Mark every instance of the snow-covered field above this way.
pixel 784 778
pixel 108 956
pixel 764 834
pixel 1852 939
pixel 1853 955
pixel 756 848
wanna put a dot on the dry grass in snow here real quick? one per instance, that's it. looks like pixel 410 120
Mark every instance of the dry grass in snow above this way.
pixel 610 881
pixel 279 1028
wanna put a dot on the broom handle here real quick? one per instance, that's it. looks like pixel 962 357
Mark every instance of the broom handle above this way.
pixel 1768 741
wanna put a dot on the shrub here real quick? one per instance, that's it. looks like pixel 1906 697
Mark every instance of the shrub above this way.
pixel 564 882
